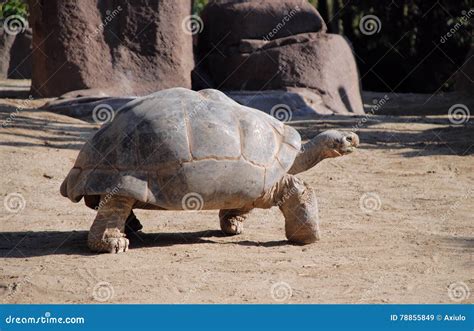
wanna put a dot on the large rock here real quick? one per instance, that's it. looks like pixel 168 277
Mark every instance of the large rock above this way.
pixel 20 56
pixel 285 105
pixel 6 42
pixel 321 62
pixel 115 48
pixel 226 22
pixel 96 109
pixel 276 45
pixel 15 55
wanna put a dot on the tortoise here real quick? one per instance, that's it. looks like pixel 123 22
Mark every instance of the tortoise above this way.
pixel 178 149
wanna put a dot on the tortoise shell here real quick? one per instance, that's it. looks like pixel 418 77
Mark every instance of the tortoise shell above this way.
pixel 177 143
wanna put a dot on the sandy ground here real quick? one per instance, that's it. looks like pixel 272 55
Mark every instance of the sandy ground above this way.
pixel 397 222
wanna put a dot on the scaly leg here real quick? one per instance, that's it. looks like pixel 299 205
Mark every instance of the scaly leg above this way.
pixel 107 231
pixel 298 203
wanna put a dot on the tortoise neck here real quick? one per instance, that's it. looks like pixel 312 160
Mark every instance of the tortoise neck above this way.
pixel 311 153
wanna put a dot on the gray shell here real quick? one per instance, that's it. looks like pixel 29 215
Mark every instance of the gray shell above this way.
pixel 177 143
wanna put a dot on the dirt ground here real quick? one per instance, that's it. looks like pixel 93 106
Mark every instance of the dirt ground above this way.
pixel 396 218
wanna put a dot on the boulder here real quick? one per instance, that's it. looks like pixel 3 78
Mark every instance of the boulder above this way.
pixel 116 48
pixel 15 55
pixel 285 105
pixel 226 22
pixel 20 56
pixel 276 45
pixel 323 63
pixel 90 109
pixel 6 42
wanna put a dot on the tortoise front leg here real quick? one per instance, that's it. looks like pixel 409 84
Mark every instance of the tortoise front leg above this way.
pixel 300 208
pixel 231 220
pixel 107 231
pixel 297 201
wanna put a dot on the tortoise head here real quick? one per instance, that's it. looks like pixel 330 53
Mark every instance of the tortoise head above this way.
pixel 335 143
pixel 328 144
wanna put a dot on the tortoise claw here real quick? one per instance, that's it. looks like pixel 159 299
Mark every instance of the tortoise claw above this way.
pixel 232 221
pixel 111 245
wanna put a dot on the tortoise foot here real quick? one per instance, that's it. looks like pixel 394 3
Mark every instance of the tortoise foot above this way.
pixel 107 231
pixel 300 208
pixel 111 245
pixel 232 221
pixel 232 227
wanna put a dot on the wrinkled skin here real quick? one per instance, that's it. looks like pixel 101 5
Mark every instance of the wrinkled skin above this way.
pixel 329 144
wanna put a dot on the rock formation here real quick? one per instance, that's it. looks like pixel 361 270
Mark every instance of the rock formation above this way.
pixel 277 45
pixel 110 47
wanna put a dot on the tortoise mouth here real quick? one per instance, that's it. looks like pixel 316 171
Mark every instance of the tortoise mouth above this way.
pixel 344 150
pixel 349 149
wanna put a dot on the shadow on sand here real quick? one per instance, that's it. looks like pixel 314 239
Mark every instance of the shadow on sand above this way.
pixel 41 132
pixel 44 243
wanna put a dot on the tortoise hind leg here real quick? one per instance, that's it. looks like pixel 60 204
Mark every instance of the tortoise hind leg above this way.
pixel 231 220
pixel 132 224
pixel 107 230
